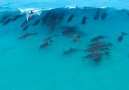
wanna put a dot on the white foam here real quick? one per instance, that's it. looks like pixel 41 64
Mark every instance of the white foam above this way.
pixel 103 7
pixel 28 10
pixel 71 7
pixel 47 9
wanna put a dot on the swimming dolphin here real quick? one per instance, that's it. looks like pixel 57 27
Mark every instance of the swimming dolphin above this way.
pixel 46 17
pixel 16 17
pixel 68 30
pixel 94 49
pixel 107 53
pixel 29 16
pixel 70 18
pixel 49 38
pixel 76 38
pixel 26 35
pixel 61 16
pixel 120 38
pixel 24 23
pixel 97 38
pixel 25 28
pixel 44 45
pixel 7 21
pixel 3 18
pixel 97 14
pixel 83 20
pixel 100 44
pixel 52 24
pixel 96 56
pixel 36 22
pixel 31 12
pixel 103 16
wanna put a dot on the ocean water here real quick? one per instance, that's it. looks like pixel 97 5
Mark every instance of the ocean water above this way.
pixel 119 4
pixel 48 51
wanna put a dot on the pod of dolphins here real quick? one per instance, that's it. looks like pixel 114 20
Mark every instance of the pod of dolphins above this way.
pixel 96 50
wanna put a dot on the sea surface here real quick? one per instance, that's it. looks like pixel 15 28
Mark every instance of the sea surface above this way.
pixel 64 45
pixel 119 4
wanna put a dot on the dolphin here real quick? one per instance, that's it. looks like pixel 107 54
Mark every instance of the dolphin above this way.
pixel 94 49
pixel 36 22
pixel 44 45
pixel 97 14
pixel 68 30
pixel 76 38
pixel 120 38
pixel 103 16
pixel 70 18
pixel 3 18
pixel 83 20
pixel 25 28
pixel 49 38
pixel 97 38
pixel 96 56
pixel 24 23
pixel 16 17
pixel 100 44
pixel 26 35
pixel 7 21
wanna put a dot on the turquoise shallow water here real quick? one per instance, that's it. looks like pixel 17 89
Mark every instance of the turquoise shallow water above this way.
pixel 26 66
pixel 119 4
